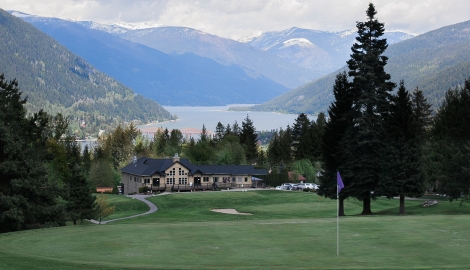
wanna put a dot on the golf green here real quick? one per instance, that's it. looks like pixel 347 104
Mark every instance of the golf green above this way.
pixel 269 239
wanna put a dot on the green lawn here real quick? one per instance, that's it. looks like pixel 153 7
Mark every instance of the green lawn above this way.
pixel 125 206
pixel 288 230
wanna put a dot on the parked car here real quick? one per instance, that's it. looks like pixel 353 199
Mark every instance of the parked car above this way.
pixel 295 187
pixel 278 187
pixel 311 186
pixel 286 186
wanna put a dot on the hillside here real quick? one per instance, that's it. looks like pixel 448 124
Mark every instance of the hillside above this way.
pixel 56 80
pixel 434 62
pixel 170 79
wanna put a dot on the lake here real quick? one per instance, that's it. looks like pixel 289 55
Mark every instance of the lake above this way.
pixel 191 119
pixel 195 117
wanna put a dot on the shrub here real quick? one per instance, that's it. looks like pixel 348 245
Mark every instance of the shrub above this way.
pixel 143 189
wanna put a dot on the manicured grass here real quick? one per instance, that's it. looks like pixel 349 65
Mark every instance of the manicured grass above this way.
pixel 288 230
pixel 125 206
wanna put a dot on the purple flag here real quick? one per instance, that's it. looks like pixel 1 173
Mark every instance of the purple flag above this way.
pixel 340 182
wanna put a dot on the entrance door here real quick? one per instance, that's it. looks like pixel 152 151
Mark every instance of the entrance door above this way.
pixel 156 182
pixel 197 181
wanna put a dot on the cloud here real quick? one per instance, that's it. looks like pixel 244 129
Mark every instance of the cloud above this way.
pixel 239 18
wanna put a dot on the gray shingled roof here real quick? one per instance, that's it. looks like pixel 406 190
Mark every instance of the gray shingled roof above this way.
pixel 150 166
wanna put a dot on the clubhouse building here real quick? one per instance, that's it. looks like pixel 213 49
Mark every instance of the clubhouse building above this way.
pixel 178 174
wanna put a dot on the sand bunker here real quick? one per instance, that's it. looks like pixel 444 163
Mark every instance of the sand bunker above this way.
pixel 230 211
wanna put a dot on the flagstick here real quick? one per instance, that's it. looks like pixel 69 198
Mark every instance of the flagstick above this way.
pixel 337 222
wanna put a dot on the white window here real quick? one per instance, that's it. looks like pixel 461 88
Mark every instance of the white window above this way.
pixel 170 181
pixel 183 181
pixel 147 181
pixel 205 179
pixel 239 179
pixel 215 179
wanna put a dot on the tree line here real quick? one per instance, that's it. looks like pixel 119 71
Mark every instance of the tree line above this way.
pixel 45 178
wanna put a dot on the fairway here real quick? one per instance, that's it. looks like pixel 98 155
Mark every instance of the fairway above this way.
pixel 288 230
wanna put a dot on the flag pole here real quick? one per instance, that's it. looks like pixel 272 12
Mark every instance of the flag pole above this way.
pixel 339 186
pixel 337 221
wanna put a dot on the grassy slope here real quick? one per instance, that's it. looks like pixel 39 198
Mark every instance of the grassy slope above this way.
pixel 289 230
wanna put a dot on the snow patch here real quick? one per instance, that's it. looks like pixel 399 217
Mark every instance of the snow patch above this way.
pixel 302 42
pixel 139 26
pixel 346 33
pixel 20 14
pixel 250 37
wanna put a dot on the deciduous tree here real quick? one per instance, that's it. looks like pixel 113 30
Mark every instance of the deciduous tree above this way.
pixel 102 208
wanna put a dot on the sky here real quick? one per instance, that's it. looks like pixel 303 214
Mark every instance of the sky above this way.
pixel 239 18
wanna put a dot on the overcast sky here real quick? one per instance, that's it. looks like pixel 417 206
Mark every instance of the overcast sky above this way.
pixel 237 19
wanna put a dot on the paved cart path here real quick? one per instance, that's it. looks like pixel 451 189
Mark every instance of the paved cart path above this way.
pixel 152 206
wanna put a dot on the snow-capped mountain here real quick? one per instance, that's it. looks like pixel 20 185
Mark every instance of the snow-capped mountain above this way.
pixel 291 57
pixel 321 51
pixel 179 40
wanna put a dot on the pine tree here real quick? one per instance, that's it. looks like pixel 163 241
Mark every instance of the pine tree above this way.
pixel 219 132
pixel 80 200
pixel 401 174
pixel 371 106
pixel 339 121
pixel 236 129
pixel 317 128
pixel 228 130
pixel 301 138
pixel 421 114
pixel 248 138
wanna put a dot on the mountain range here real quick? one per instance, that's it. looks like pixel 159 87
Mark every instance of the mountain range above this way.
pixel 433 62
pixel 184 66
pixel 319 51
pixel 190 67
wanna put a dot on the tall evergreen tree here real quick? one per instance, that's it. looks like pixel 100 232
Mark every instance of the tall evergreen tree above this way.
pixel 219 132
pixel 301 138
pixel 338 122
pixel 401 174
pixel 236 129
pixel 421 114
pixel 248 138
pixel 80 200
pixel 371 106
